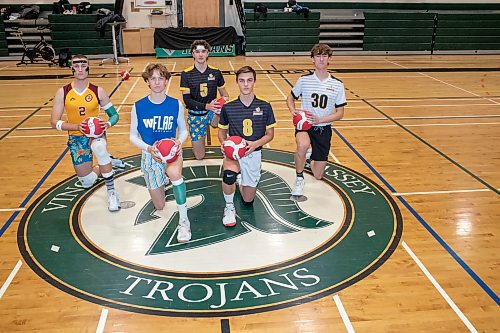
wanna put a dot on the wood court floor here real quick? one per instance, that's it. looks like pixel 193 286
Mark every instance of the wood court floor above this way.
pixel 425 128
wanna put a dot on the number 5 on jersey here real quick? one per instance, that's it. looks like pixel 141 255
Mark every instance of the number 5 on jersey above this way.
pixel 203 89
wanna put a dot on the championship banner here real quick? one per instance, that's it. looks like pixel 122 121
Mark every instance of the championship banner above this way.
pixel 215 51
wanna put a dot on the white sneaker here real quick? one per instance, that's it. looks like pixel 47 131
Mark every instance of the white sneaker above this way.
pixel 117 163
pixel 184 231
pixel 229 219
pixel 299 186
pixel 113 201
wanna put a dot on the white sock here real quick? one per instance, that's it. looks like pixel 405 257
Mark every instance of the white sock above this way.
pixel 182 212
pixel 229 199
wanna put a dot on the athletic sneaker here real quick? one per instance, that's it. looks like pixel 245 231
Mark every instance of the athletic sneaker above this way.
pixel 117 163
pixel 113 201
pixel 184 231
pixel 229 219
pixel 299 186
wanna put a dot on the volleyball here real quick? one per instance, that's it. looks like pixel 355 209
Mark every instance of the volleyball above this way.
pixel 167 150
pixel 300 121
pixel 124 75
pixel 235 147
pixel 93 128
pixel 221 101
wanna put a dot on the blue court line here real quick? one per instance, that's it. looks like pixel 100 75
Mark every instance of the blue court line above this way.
pixel 33 191
pixel 47 174
pixel 455 256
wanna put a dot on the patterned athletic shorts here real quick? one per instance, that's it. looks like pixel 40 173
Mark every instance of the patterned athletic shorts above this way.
pixel 79 147
pixel 198 125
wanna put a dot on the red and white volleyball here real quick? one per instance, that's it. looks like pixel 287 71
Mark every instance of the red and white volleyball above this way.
pixel 94 128
pixel 221 101
pixel 300 121
pixel 235 147
pixel 167 150
pixel 124 75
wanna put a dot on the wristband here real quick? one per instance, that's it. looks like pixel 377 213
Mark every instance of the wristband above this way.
pixel 59 125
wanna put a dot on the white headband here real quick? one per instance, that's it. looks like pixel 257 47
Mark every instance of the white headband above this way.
pixel 200 48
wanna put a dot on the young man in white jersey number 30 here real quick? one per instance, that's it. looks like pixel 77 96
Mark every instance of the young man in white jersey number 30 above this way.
pixel 323 99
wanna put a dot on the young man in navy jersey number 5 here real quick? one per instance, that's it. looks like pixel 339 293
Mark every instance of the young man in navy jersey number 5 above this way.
pixel 153 118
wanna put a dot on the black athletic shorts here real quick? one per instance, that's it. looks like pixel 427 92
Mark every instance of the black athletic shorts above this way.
pixel 321 138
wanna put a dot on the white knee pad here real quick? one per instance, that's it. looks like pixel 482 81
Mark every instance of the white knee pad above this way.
pixel 98 147
pixel 88 180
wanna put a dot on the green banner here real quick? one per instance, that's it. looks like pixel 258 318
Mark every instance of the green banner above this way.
pixel 216 51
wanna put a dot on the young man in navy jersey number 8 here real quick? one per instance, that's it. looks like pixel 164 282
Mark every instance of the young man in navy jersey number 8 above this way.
pixel 323 97
pixel 153 118
pixel 251 118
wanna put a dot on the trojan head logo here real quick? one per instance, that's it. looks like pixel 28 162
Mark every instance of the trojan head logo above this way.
pixel 281 252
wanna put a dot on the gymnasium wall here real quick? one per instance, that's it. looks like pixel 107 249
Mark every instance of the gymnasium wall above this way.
pixel 47 2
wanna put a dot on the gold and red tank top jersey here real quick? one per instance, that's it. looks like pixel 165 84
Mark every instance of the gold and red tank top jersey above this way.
pixel 79 106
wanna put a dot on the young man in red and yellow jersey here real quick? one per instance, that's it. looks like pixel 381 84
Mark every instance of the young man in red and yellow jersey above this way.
pixel 81 99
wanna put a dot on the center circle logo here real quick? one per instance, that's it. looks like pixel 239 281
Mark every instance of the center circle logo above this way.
pixel 281 252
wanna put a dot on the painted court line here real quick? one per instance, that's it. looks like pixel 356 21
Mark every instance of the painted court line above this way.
pixel 12 209
pixel 437 105
pixel 169 81
pixel 440 289
pixel 10 278
pixel 131 88
pixel 334 157
pixel 446 83
pixel 428 99
pixel 343 314
pixel 441 192
pixel 102 321
pixel 445 156
pixel 272 81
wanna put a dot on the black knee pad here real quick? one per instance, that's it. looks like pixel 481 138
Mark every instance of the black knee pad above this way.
pixel 229 177
pixel 247 203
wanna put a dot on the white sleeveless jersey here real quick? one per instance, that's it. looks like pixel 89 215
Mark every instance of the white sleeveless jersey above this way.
pixel 319 97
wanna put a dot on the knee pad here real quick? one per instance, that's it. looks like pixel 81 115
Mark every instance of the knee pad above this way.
pixel 229 177
pixel 108 174
pixel 247 203
pixel 88 180
pixel 98 147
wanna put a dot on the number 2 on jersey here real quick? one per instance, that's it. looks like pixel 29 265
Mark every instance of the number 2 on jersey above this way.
pixel 247 127
pixel 203 89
